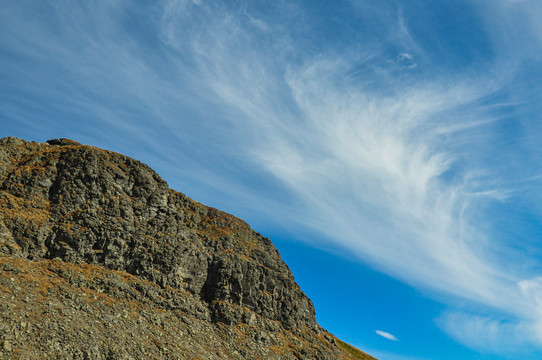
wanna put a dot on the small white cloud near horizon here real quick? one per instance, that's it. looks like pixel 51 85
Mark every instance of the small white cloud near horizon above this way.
pixel 386 335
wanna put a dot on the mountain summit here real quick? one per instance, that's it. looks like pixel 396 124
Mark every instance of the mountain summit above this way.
pixel 99 259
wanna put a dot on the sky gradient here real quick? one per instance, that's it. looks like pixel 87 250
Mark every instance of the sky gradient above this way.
pixel 390 149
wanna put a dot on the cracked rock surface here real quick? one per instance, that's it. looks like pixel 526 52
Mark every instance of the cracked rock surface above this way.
pixel 99 259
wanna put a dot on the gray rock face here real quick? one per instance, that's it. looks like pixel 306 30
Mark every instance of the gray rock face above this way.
pixel 86 206
pixel 99 207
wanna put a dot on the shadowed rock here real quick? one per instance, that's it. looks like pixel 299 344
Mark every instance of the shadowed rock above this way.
pixel 62 142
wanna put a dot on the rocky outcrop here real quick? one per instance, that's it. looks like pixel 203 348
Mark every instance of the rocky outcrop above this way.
pixel 97 225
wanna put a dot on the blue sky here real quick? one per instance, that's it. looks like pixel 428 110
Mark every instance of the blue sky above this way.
pixel 390 149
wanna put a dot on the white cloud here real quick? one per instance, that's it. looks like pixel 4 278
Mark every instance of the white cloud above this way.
pixel 406 61
pixel 487 333
pixel 386 335
pixel 379 170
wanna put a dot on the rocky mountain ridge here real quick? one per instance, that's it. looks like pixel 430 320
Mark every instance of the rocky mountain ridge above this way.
pixel 99 259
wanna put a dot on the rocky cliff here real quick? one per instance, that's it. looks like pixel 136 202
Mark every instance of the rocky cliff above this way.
pixel 99 259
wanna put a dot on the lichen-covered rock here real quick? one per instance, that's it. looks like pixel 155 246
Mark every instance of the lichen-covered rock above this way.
pixel 66 208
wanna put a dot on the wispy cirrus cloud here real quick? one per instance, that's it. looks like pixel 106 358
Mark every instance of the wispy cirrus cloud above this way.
pixel 383 164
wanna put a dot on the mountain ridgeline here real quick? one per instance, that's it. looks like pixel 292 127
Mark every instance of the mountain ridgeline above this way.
pixel 99 259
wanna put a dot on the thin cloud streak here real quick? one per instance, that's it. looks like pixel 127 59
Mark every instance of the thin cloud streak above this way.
pixel 386 335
